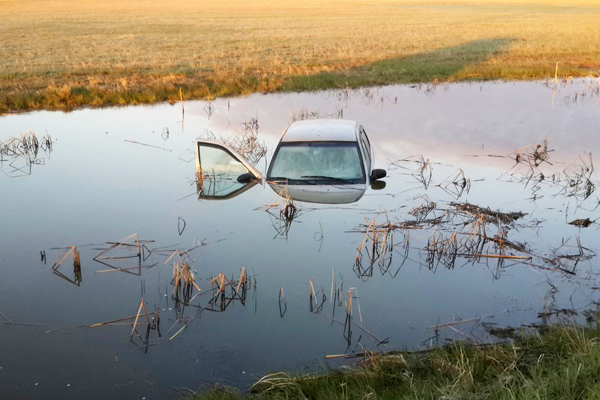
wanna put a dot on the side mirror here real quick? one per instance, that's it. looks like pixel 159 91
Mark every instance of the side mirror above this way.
pixel 378 174
pixel 246 178
pixel 378 185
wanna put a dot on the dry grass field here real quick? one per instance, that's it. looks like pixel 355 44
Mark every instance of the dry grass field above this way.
pixel 63 54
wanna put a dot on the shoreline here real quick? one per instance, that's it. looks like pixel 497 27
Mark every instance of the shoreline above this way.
pixel 74 105
pixel 553 362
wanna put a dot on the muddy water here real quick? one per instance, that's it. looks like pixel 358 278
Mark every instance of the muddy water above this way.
pixel 115 172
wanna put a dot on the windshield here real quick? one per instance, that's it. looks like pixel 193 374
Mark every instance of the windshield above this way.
pixel 317 163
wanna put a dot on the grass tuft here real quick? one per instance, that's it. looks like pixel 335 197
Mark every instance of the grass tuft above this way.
pixel 558 362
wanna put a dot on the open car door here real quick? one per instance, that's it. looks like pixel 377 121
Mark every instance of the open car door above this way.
pixel 221 172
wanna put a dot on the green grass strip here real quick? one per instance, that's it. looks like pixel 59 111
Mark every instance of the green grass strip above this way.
pixel 560 362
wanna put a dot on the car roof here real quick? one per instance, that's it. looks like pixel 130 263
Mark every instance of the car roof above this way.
pixel 341 130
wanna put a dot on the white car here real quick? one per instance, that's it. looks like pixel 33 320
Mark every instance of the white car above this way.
pixel 320 161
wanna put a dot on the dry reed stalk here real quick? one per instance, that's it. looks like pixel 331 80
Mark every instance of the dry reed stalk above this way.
pixel 104 271
pixel 77 276
pixel 332 285
pixel 181 100
pixel 421 212
pixel 357 302
pixel 175 253
pixel 218 282
pixel 495 256
pixel 456 184
pixel 349 305
pixel 242 280
pixel 148 145
pixel 424 171
pixel 185 326
pixel 247 143
pixel 6 318
pixel 142 307
pixel 200 180
pixel 109 322
pixel 381 246
pixel 137 244
pixel 475 211
pixel 464 321
pixel 63 257
pixel 77 266
pixel 184 281
pixel 289 210
pixel 76 258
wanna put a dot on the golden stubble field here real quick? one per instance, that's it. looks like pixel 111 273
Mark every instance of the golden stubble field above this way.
pixel 68 53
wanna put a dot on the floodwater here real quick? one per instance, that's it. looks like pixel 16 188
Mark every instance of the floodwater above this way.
pixel 115 172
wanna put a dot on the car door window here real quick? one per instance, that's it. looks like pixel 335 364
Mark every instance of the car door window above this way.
pixel 218 169
pixel 218 162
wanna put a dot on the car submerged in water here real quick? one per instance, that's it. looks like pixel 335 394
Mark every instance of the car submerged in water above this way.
pixel 318 161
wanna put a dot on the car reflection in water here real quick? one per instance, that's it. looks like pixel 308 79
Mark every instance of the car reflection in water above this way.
pixel 317 161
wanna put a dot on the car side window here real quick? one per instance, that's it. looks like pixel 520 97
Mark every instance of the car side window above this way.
pixel 364 142
pixel 364 134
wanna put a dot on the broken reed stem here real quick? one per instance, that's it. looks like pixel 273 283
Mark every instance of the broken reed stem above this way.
pixel 178 332
pixel 103 271
pixel 142 307
pixel 175 253
pixel 349 308
pixel 181 99
pixel 495 256
pixel 63 257
pixel 109 322
pixel 358 304
pixel 464 321
pixel 242 280
pixel 185 326
pixel 313 296
pixel 6 318
pixel 332 284
pixel 137 316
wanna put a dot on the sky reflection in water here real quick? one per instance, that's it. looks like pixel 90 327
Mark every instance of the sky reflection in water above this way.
pixel 115 172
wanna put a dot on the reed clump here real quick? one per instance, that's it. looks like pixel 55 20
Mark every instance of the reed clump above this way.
pixel 247 143
pixel 22 152
pixel 460 232
pixel 283 213
pixel 225 291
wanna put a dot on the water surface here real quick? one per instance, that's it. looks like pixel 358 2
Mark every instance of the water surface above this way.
pixel 119 171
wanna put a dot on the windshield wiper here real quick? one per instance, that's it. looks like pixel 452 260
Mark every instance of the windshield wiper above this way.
pixel 292 181
pixel 327 178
